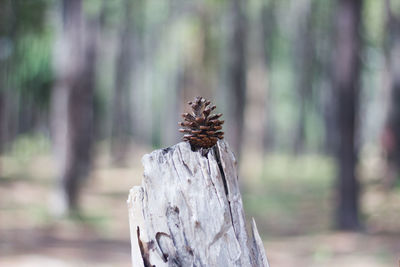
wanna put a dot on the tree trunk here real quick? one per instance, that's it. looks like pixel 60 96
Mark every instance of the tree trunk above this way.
pixel 303 64
pixel 325 95
pixel 189 212
pixel 237 74
pixel 72 105
pixel 391 135
pixel 122 122
pixel 346 81
pixel 269 26
pixel 2 128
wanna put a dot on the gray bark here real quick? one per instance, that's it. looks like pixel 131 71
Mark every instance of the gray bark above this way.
pixel 121 123
pixel 237 74
pixel 189 212
pixel 391 134
pixel 303 63
pixel 269 27
pixel 72 105
pixel 347 85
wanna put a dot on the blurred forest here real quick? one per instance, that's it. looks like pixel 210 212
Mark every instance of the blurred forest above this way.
pixel 309 89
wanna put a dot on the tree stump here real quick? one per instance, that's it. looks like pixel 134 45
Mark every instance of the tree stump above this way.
pixel 189 212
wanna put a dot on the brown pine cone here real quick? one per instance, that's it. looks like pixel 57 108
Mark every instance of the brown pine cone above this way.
pixel 201 129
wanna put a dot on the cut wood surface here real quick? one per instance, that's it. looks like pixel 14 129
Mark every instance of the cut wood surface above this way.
pixel 189 212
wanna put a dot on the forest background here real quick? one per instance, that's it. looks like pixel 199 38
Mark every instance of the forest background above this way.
pixel 309 89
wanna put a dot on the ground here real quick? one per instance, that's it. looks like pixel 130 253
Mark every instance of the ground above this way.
pixel 290 198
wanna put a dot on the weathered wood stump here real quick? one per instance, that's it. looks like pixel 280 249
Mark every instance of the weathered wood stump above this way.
pixel 189 211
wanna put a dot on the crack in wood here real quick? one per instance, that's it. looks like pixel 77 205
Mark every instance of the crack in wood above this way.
pixel 144 250
pixel 221 170
pixel 223 177
pixel 185 165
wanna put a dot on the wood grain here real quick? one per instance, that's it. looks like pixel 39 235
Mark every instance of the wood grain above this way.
pixel 189 212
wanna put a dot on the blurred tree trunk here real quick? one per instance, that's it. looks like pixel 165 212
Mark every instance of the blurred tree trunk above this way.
pixel 27 114
pixel 237 74
pixel 269 26
pixel 172 104
pixel 324 97
pixel 391 135
pixel 122 123
pixel 303 64
pixel 72 104
pixel 346 82
pixel 9 108
pixel 329 114
pixel 4 31
pixel 2 128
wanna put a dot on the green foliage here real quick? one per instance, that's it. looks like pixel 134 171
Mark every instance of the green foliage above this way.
pixel 292 194
pixel 374 22
pixel 18 17
pixel 92 8
pixel 184 44
pixel 29 70
pixel 98 221
pixel 33 75
pixel 27 146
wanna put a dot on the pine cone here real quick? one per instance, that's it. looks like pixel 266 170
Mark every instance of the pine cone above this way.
pixel 201 129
